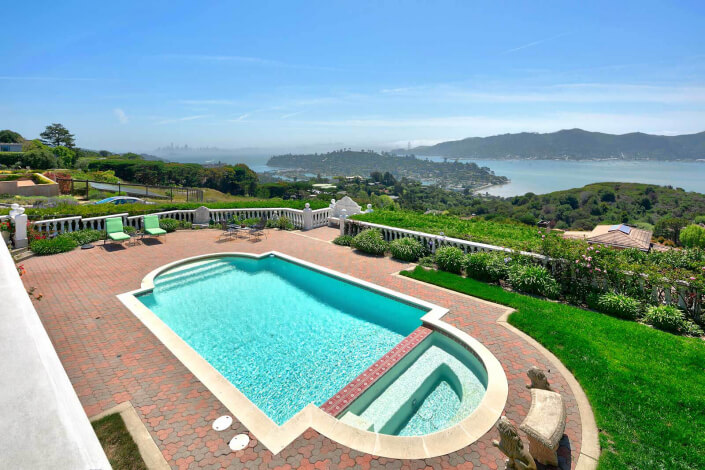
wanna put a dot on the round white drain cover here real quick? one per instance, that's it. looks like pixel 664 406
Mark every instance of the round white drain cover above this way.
pixel 222 423
pixel 239 442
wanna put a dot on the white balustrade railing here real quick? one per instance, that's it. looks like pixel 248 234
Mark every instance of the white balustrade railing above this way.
pixel 678 292
pixel 98 223
pixel 433 242
pixel 54 227
pixel 320 217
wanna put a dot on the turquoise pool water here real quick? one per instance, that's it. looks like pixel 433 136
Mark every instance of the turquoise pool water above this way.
pixel 437 385
pixel 283 334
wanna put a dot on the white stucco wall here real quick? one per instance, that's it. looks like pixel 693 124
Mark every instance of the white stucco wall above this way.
pixel 42 421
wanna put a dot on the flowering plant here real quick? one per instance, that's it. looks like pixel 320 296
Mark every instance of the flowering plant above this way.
pixel 5 226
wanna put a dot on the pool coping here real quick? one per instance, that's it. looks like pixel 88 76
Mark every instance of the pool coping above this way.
pixel 276 437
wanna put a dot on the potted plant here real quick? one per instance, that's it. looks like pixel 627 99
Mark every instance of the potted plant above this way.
pixel 6 230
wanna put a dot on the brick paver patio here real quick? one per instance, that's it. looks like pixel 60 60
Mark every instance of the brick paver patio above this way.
pixel 111 357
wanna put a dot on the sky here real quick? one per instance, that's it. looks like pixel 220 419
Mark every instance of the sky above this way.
pixel 134 76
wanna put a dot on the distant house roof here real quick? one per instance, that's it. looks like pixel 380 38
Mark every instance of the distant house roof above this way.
pixel 621 236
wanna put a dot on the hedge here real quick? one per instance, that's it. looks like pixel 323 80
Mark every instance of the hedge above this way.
pixel 10 158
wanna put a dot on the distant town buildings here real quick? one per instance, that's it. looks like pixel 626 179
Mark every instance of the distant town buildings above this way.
pixel 10 147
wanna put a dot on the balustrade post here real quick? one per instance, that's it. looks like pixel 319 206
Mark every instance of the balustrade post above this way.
pixel 308 217
pixel 19 218
pixel 343 216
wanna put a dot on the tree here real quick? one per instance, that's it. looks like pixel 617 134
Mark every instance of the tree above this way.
pixel 56 134
pixel 65 156
pixel 693 236
pixel 39 158
pixel 10 137
pixel 645 203
pixel 670 227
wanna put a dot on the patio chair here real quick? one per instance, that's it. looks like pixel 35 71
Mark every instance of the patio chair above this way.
pixel 257 230
pixel 228 230
pixel 114 230
pixel 151 226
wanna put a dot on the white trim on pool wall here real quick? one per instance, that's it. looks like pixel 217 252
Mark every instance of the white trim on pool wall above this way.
pixel 276 437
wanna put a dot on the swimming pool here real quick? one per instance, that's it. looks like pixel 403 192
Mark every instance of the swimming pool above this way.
pixel 284 334
pixel 429 416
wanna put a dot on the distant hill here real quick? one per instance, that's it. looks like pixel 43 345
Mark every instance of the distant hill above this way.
pixel 572 144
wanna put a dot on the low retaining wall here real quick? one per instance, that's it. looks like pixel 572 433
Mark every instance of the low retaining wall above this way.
pixel 21 188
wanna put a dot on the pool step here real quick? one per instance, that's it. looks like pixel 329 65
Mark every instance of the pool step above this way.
pixel 341 400
pixel 357 421
pixel 197 273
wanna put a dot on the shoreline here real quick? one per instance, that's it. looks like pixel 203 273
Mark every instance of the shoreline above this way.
pixel 571 160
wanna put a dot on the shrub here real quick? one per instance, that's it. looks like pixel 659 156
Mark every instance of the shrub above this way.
pixel 52 246
pixel 249 222
pixel 427 261
pixel 282 223
pixel 95 194
pixel 693 236
pixel 81 237
pixel 670 318
pixel 370 241
pixel 450 258
pixel 168 224
pixel 487 266
pixel 532 279
pixel 343 240
pixel 407 249
pixel 618 305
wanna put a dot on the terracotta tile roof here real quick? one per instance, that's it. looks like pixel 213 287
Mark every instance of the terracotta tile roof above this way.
pixel 621 236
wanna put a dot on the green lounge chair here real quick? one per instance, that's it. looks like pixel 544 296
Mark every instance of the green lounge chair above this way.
pixel 151 226
pixel 114 230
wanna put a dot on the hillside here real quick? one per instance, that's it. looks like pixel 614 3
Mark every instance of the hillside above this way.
pixel 573 144
pixel 362 163
pixel 583 208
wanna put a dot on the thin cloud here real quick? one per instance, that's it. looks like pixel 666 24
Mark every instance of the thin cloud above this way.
pixel 559 93
pixel 534 43
pixel 121 116
pixel 287 116
pixel 182 119
pixel 243 60
pixel 460 126
pixel 211 102
pixel 58 79
pixel 240 118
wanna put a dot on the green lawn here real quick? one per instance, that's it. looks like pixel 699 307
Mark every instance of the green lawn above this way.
pixel 646 387
pixel 121 450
